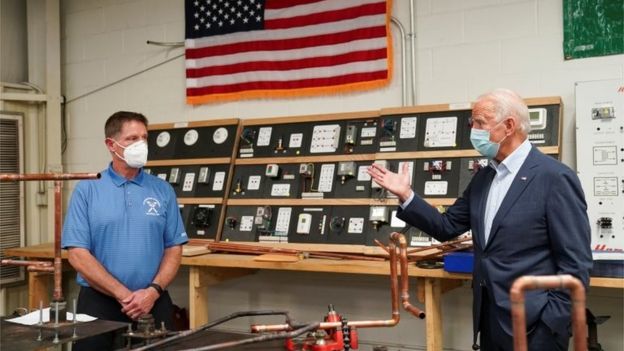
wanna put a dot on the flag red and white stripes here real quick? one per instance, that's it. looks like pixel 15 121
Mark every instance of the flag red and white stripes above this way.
pixel 239 49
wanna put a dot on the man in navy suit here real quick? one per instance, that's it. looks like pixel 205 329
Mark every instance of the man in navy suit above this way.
pixel 528 216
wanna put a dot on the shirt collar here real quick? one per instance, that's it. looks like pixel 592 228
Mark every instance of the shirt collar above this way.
pixel 514 161
pixel 119 180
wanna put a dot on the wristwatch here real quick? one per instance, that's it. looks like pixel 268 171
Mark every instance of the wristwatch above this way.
pixel 156 287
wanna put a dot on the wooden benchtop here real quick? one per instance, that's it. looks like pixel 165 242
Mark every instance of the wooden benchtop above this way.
pixel 305 265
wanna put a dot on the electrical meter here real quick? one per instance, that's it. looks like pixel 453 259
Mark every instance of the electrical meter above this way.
pixel 350 138
pixel 346 169
pixel 378 215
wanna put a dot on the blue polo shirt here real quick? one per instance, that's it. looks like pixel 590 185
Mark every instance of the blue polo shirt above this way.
pixel 125 224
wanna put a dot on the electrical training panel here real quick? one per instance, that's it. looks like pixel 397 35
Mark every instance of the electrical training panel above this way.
pixel 195 158
pixel 303 179
pixel 600 162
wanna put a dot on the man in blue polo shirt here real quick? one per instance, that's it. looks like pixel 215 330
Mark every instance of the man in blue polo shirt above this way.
pixel 123 234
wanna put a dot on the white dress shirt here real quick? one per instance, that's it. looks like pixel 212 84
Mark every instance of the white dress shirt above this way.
pixel 506 171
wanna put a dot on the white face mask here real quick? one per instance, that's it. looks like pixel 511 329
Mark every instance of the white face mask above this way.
pixel 135 154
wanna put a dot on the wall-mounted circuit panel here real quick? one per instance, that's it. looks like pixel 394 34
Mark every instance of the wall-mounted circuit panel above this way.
pixel 437 177
pixel 354 225
pixel 319 136
pixel 194 180
pixel 266 181
pixel 201 220
pixel 444 130
pixel 302 224
pixel 185 141
pixel 306 180
pixel 600 162
pixel 414 236
pixel 398 133
pixel 261 223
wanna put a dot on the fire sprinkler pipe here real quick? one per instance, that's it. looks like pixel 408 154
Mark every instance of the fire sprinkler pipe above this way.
pixel 567 281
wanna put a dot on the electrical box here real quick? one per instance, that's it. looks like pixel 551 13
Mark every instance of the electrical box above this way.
pixel 600 162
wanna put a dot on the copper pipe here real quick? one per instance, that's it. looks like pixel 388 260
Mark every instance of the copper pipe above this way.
pixel 402 243
pixel 567 281
pixel 283 335
pixel 58 210
pixel 255 249
pixel 8 262
pixel 46 269
pixel 317 254
pixel 15 177
pixel 57 295
pixel 446 243
pixel 439 254
pixel 188 333
pixel 379 243
pixel 394 293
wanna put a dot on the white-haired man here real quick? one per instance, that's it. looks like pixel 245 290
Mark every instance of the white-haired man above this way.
pixel 528 216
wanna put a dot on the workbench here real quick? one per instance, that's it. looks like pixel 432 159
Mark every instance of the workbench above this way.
pixel 210 269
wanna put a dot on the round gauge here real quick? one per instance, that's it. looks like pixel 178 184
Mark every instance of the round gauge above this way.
pixel 163 139
pixel 191 137
pixel 220 135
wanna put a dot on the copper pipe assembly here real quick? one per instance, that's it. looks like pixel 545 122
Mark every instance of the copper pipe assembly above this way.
pixel 402 243
pixel 397 243
pixel 259 250
pixel 567 281
pixel 16 177
pixel 25 263
pixel 40 266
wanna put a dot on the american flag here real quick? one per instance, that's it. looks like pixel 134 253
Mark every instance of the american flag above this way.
pixel 238 49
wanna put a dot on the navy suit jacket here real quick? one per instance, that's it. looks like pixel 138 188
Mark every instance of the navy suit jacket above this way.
pixel 541 228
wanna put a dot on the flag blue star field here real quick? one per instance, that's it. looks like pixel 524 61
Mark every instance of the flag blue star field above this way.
pixel 241 49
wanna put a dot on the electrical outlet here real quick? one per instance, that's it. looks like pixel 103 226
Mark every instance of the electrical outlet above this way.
pixel 356 225
pixel 434 187
pixel 280 190
pixel 254 182
pixel 189 180
pixel 246 223
pixel 219 181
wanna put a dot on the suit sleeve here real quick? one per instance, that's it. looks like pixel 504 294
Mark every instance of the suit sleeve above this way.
pixel 568 225
pixel 442 226
pixel 570 240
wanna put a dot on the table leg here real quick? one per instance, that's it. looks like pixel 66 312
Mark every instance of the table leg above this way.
pixel 200 278
pixel 433 293
pixel 38 289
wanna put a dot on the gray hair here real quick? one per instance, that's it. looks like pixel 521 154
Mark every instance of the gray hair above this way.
pixel 506 103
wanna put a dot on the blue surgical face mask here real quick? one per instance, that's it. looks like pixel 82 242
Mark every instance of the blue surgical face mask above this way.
pixel 480 139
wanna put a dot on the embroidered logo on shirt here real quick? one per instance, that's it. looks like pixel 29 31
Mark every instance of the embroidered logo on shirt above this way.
pixel 153 206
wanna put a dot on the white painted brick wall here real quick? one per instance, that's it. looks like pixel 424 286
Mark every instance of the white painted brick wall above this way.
pixel 464 48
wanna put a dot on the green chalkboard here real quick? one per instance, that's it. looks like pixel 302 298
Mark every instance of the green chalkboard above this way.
pixel 592 28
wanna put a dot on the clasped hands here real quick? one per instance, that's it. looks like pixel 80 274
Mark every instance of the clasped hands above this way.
pixel 139 302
